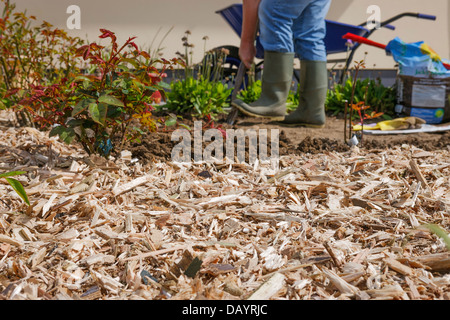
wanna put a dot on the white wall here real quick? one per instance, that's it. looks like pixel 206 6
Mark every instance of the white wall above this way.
pixel 143 18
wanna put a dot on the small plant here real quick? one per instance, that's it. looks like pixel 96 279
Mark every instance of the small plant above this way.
pixel 379 97
pixel 200 97
pixel 359 65
pixel 15 184
pixel 251 93
pixel 293 100
pixel 110 105
pixel 201 92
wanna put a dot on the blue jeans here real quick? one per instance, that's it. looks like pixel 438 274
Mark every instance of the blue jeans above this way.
pixel 294 26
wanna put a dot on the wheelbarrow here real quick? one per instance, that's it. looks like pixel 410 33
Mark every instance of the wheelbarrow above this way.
pixel 334 41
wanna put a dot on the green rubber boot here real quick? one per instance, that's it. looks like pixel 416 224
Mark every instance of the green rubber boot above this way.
pixel 313 92
pixel 276 82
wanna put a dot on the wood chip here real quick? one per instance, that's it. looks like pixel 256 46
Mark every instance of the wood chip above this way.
pixel 269 288
pixel 436 262
pixel 399 267
pixel 10 240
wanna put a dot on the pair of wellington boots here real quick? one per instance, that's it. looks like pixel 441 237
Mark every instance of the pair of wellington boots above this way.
pixel 276 83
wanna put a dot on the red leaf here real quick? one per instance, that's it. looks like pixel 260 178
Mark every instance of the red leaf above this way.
pixel 86 53
pixel 149 107
pixel 11 92
pixel 95 46
pixel 106 34
pixel 135 46
pixel 156 97
pixel 145 54
pixel 81 50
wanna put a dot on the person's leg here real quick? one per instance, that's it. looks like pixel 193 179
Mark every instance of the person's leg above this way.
pixel 309 33
pixel 276 20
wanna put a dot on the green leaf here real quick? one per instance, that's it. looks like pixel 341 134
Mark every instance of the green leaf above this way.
pixel 11 174
pixel 17 186
pixel 98 112
pixel 82 78
pixel 164 85
pixel 56 131
pixel 75 123
pixel 110 100
pixel 170 122
pixel 67 135
pixel 441 233
pixel 134 63
pixel 81 106
pixel 123 67
pixel 185 126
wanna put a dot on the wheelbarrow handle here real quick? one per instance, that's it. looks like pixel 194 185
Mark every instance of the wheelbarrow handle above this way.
pixel 359 39
pixel 389 26
pixel 355 38
pixel 426 16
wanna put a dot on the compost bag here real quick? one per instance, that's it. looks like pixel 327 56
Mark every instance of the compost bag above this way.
pixel 416 59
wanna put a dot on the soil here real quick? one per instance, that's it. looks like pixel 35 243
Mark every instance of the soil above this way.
pixel 158 146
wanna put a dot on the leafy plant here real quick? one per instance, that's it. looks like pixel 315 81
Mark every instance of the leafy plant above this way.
pixel 201 92
pixel 198 96
pixel 361 105
pixel 31 56
pixel 379 97
pixel 15 184
pixel 251 93
pixel 108 106
pixel 293 100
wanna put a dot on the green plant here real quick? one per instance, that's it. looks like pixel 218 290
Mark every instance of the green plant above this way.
pixel 293 100
pixel 198 96
pixel 358 103
pixel 15 184
pixel 359 65
pixel 379 97
pixel 251 92
pixel 201 92
pixel 105 108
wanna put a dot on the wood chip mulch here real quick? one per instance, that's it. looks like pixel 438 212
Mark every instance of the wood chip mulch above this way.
pixel 326 226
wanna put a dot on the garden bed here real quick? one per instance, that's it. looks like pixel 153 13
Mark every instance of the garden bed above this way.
pixel 295 141
pixel 328 223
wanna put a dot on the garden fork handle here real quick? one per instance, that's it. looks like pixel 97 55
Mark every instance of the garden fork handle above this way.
pixel 237 86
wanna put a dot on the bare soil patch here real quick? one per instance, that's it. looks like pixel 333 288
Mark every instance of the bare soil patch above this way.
pixel 297 141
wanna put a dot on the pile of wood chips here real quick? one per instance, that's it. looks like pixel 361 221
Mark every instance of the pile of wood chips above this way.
pixel 327 226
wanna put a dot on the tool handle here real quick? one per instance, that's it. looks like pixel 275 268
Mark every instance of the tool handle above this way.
pixel 389 26
pixel 426 16
pixel 355 38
